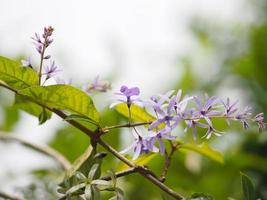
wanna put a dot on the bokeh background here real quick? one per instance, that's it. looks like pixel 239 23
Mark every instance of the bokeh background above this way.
pixel 218 47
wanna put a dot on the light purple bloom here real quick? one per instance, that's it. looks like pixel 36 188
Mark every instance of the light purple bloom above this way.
pixel 98 85
pixel 140 146
pixel 157 101
pixel 205 110
pixel 160 136
pixel 259 120
pixel 51 70
pixel 27 62
pixel 194 124
pixel 244 116
pixel 167 117
pixel 229 109
pixel 128 93
pixel 179 105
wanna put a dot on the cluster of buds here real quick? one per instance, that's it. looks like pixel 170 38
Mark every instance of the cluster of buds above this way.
pixel 42 43
pixel 171 109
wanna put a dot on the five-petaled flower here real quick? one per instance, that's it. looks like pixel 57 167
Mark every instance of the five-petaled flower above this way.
pixel 51 70
pixel 129 93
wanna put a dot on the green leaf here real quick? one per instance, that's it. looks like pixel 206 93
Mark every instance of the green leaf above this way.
pixel 32 108
pixel 138 114
pixel 248 187
pixel 200 196
pixel 15 75
pixel 205 150
pixel 63 97
pixel 43 117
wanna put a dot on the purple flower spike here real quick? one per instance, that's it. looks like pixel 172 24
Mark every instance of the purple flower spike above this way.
pixel 42 43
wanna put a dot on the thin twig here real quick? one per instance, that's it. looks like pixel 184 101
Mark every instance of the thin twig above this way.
pixel 128 125
pixel 168 158
pixel 65 164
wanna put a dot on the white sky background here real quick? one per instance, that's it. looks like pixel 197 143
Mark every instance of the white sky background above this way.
pixel 138 41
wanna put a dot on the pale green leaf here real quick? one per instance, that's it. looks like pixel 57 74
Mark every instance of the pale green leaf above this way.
pixel 15 75
pixel 63 97
pixel 205 150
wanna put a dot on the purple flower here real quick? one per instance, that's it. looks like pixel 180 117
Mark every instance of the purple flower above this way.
pixel 205 110
pixel 259 120
pixel 157 101
pixel 169 118
pixel 229 109
pixel 98 85
pixel 140 146
pixel 128 93
pixel 178 104
pixel 51 70
pixel 244 116
pixel 194 124
pixel 27 62
pixel 160 136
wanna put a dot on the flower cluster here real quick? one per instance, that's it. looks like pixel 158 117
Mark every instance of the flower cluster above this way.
pixel 171 109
